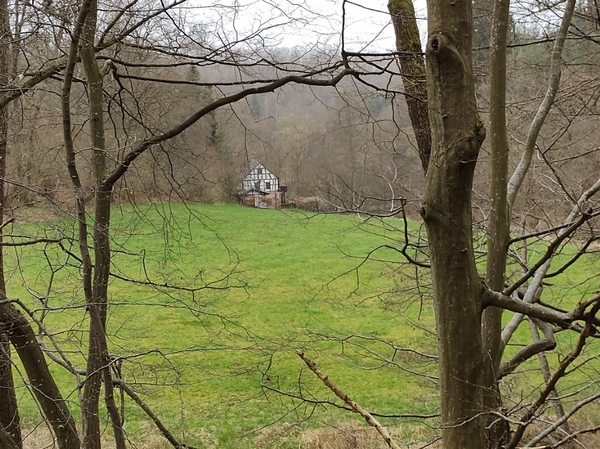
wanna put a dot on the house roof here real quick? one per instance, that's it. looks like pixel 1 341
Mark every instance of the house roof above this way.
pixel 252 165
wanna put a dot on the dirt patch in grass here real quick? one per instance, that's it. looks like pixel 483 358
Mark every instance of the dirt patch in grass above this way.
pixel 35 214
pixel 350 436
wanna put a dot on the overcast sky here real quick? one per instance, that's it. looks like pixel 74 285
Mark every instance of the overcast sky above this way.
pixel 308 22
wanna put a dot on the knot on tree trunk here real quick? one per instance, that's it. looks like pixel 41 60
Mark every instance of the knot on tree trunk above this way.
pixel 467 148
pixel 443 46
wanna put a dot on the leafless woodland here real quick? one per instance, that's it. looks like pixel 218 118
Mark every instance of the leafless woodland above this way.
pixel 488 134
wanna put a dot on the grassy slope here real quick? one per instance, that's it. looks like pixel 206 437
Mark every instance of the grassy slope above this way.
pixel 276 287
pixel 280 281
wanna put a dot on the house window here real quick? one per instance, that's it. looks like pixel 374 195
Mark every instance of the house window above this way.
pixel 259 171
pixel 267 185
pixel 257 185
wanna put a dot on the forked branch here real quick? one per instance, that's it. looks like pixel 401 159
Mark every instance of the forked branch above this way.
pixel 587 331
pixel 561 319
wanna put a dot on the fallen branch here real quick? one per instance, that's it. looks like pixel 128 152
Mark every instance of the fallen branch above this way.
pixel 353 404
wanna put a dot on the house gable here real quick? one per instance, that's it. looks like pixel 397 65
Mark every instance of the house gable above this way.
pixel 260 179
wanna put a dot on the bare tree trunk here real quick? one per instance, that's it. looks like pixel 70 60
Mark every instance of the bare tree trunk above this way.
pixel 51 402
pixel 501 199
pixel 412 70
pixel 457 135
pixel 96 303
pixel 98 366
pixel 89 401
pixel 498 222
pixel 9 412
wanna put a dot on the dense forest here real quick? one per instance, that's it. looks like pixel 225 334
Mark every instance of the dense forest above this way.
pixel 343 144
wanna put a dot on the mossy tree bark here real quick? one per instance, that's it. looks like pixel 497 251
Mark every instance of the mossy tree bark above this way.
pixel 412 69
pixel 9 412
pixel 457 134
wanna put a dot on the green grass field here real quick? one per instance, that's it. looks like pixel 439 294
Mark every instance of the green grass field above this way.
pixel 258 285
pixel 210 303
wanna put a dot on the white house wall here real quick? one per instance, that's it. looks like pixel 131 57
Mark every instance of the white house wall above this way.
pixel 260 178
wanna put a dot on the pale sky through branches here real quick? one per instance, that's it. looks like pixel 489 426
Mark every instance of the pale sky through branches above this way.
pixel 305 23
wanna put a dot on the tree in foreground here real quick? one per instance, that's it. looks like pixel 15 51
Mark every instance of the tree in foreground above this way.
pixel 471 297
pixel 104 63
pixel 116 61
pixel 468 306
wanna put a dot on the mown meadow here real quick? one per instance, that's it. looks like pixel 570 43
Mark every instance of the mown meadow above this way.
pixel 209 304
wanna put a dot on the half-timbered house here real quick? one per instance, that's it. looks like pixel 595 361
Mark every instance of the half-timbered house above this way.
pixel 259 179
pixel 261 188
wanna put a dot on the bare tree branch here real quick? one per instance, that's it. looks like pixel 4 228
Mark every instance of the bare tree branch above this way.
pixel 123 166
pixel 303 398
pixel 588 330
pixel 563 419
pixel 139 401
pixel 536 125
pixel 561 319
pixel 550 251
pixel 544 344
pixel 354 405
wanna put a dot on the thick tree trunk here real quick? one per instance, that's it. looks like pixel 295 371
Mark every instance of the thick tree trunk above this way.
pixel 51 402
pixel 412 70
pixel 457 135
pixel 9 412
